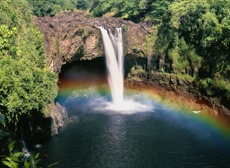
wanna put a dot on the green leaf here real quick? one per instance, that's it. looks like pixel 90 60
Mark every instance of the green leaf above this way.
pixel 14 164
pixel 32 162
pixel 11 146
pixel 18 154
pixel 10 163
pixel 37 156
pixel 26 164
pixel 7 163
pixel 53 164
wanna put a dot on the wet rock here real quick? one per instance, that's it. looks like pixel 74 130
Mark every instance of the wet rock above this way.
pixel 59 117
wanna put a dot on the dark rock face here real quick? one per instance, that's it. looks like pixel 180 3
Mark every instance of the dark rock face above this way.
pixel 59 117
pixel 38 128
pixel 70 36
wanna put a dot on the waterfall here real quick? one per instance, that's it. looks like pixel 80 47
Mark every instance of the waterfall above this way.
pixel 24 148
pixel 113 47
pixel 114 56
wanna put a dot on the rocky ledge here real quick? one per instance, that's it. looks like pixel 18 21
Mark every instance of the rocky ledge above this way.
pixel 177 90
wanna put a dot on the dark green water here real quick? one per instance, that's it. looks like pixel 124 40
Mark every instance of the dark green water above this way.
pixel 158 138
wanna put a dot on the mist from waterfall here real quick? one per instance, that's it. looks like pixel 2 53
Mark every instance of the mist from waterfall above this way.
pixel 113 47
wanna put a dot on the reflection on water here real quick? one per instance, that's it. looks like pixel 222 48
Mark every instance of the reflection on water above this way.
pixel 156 137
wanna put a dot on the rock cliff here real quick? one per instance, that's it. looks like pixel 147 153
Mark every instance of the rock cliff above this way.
pixel 70 36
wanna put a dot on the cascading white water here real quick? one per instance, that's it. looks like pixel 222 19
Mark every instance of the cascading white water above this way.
pixel 113 47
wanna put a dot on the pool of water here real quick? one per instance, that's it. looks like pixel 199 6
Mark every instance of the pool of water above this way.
pixel 154 136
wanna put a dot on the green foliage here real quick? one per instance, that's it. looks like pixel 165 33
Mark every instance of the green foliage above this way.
pixel 179 9
pixel 101 7
pixel 131 9
pixel 160 12
pixel 14 158
pixel 6 39
pixel 193 36
pixel 199 24
pixel 124 28
pixel 220 83
pixel 51 7
pixel 15 13
pixel 24 88
pixel 185 58
pixel 205 83
pixel 17 158
pixel 25 83
pixel 134 48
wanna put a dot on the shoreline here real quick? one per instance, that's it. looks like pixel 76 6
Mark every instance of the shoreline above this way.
pixel 178 98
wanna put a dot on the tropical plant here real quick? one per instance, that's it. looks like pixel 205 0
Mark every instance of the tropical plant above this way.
pixel 17 159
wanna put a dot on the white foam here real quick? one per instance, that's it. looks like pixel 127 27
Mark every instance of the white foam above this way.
pixel 196 112
pixel 127 106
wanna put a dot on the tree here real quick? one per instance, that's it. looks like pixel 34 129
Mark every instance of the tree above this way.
pixel 24 88
pixel 160 12
pixel 26 84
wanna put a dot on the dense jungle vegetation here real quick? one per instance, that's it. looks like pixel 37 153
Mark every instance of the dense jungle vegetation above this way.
pixel 191 36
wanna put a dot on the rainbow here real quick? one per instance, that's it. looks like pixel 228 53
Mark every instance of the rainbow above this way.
pixel 199 113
